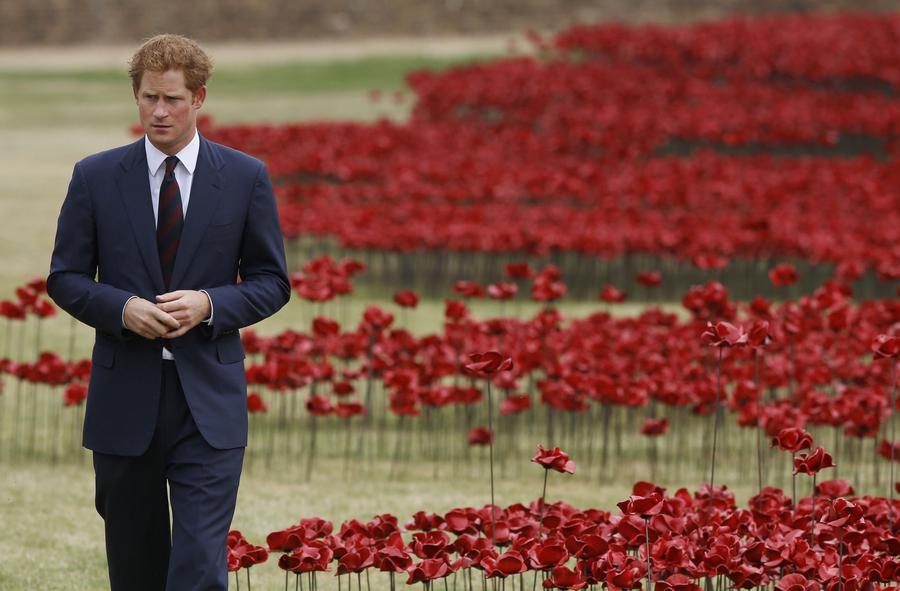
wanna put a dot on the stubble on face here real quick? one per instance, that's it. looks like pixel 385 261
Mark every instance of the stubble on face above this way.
pixel 168 109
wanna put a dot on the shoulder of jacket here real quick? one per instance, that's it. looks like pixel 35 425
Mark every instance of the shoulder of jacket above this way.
pixel 105 158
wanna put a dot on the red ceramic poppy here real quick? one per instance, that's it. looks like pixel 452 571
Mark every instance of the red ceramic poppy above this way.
pixel 611 295
pixel 886 346
pixel 488 363
pixel 655 427
pixel 255 403
pixel 783 275
pixel 792 439
pixel 723 334
pixel 812 463
pixel 644 506
pixel 649 278
pixel 480 436
pixel 554 459
pixel 406 299
pixel 888 451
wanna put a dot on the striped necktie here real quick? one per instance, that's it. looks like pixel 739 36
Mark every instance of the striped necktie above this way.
pixel 169 220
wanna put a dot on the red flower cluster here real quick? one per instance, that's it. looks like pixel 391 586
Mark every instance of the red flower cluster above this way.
pixel 28 300
pixel 323 279
pixel 570 165
pixel 767 544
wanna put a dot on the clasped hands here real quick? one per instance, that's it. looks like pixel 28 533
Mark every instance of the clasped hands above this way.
pixel 172 315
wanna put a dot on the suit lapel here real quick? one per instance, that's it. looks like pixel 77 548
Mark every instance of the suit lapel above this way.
pixel 134 189
pixel 206 190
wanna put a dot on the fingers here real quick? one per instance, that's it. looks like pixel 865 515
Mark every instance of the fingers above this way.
pixel 171 296
pixel 168 321
pixel 177 333
pixel 172 315
pixel 156 324
pixel 143 318
pixel 171 306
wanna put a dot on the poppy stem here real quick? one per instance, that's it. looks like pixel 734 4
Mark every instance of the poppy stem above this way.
pixel 237 580
pixel 758 426
pixel 893 402
pixel 286 574
pixel 491 459
pixel 840 559
pixel 793 480
pixel 712 470
pixel 812 525
pixel 248 578
pixel 541 508
pixel 649 567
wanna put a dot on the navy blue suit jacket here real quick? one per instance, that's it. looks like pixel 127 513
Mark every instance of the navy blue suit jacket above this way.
pixel 105 252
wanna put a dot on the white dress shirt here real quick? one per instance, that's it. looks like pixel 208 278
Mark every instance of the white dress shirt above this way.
pixel 184 171
pixel 184 176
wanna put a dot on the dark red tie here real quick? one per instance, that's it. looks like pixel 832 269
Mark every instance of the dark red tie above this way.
pixel 169 220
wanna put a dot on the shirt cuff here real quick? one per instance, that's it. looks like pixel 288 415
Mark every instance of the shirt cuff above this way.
pixel 125 326
pixel 208 321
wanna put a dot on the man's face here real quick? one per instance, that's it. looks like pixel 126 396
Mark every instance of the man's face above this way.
pixel 168 110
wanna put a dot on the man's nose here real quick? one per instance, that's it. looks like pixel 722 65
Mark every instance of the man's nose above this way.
pixel 160 110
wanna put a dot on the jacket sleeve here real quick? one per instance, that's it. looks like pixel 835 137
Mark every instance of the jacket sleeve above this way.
pixel 73 266
pixel 264 286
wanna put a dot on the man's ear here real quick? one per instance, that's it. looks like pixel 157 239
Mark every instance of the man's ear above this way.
pixel 198 97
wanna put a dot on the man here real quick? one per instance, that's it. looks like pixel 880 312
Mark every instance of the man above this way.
pixel 150 240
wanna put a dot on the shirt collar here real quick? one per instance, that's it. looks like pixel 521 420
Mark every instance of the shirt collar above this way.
pixel 187 156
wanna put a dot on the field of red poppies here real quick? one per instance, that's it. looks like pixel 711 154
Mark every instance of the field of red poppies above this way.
pixel 722 146
pixel 738 178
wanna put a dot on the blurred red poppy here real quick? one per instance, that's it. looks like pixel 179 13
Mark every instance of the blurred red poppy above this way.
pixel 502 291
pixel 75 394
pixel 468 289
pixel 611 295
pixel 649 278
pixel 406 299
pixel 655 427
pixel 515 404
pixel 723 334
pixel 488 363
pixel 319 406
pixel 783 275
pixel 255 403
pixel 888 451
pixel 886 347
pixel 519 271
pixel 480 436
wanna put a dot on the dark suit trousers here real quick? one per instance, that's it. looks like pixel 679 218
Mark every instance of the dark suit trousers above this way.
pixel 131 496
